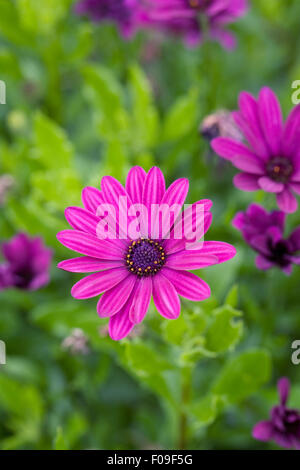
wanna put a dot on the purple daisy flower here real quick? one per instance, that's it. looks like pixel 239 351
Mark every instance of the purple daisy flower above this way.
pixel 122 12
pixel 183 17
pixel 284 425
pixel 271 161
pixel 27 263
pixel 129 270
pixel 263 231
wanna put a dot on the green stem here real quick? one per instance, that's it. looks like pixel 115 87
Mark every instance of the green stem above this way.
pixel 185 398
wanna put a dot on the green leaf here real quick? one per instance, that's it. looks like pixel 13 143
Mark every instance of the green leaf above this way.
pixel 52 147
pixel 144 360
pixel 206 410
pixel 232 296
pixel 243 375
pixel 60 442
pixel 145 116
pixel 174 331
pixel 41 17
pixel 182 117
pixel 224 331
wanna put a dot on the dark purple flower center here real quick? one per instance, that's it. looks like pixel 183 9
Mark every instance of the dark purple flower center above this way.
pixel 23 276
pixel 286 420
pixel 194 3
pixel 279 169
pixel 145 257
pixel 279 253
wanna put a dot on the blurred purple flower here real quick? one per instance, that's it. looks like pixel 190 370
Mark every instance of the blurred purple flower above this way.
pixel 122 12
pixel 183 17
pixel 27 263
pixel 272 160
pixel 284 425
pixel 263 231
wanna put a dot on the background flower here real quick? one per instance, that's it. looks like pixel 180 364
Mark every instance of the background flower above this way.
pixel 284 425
pixel 187 18
pixel 263 231
pixel 271 161
pixel 122 12
pixel 27 263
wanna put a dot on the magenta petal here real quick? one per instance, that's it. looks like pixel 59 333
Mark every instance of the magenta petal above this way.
pixel 89 245
pixel 269 185
pixel 153 191
pixel 283 389
pixel 186 229
pixel 187 284
pixel 263 263
pixel 249 122
pixel 287 202
pixel 135 183
pixel 190 259
pixel 113 190
pixel 263 431
pixel 141 300
pixel 291 134
pixel 154 187
pixel 249 164
pixel 119 324
pixel 239 220
pixel 81 219
pixel 270 119
pixel 39 281
pixel 246 182
pixel 115 298
pixel 174 199
pixel 230 149
pixel 92 198
pixel 86 264
pixel 294 239
pixel 165 297
pixel 95 284
pixel 222 250
pixel 295 187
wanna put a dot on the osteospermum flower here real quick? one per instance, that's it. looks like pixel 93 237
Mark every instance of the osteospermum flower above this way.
pixel 27 263
pixel 263 231
pixel 129 270
pixel 284 425
pixel 271 160
pixel 122 12
pixel 185 18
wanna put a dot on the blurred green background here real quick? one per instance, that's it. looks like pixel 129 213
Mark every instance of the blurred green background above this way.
pixel 83 103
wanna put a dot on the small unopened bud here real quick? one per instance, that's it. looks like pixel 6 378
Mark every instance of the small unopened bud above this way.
pixel 76 343
pixel 6 183
pixel 220 124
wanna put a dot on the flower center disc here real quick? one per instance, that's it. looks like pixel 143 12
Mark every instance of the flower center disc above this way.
pixel 145 257
pixel 279 169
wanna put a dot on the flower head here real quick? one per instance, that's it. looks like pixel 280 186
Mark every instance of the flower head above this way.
pixel 27 263
pixel 220 124
pixel 284 425
pixel 271 161
pixel 134 262
pixel 263 231
pixel 122 12
pixel 183 17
